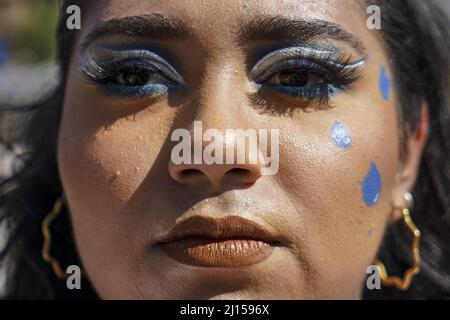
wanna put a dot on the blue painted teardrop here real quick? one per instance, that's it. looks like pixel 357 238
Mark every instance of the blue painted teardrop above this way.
pixel 385 83
pixel 371 186
pixel 341 135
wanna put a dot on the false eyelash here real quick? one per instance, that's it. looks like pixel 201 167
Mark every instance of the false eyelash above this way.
pixel 108 59
pixel 103 75
pixel 310 100
pixel 108 64
pixel 106 70
pixel 337 72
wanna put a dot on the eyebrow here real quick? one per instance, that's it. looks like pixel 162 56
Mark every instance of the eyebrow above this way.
pixel 276 28
pixel 269 28
pixel 155 26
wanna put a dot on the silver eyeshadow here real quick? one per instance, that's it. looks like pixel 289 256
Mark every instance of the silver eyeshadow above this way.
pixel 298 52
pixel 93 60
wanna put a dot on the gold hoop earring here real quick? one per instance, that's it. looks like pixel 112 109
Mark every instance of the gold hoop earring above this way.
pixel 46 256
pixel 403 283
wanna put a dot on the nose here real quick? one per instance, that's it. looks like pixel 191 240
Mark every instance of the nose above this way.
pixel 240 170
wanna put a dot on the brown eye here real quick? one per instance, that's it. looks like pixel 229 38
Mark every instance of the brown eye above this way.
pixel 295 78
pixel 134 78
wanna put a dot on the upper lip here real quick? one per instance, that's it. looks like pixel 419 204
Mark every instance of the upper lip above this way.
pixel 218 228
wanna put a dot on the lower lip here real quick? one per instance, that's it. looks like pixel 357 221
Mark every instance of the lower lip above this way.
pixel 226 253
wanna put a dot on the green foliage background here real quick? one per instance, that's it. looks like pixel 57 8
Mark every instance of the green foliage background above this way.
pixel 30 39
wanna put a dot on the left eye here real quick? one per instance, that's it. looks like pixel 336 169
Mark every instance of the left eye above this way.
pixel 295 78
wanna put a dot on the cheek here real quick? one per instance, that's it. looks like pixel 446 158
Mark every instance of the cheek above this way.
pixel 339 166
pixel 102 161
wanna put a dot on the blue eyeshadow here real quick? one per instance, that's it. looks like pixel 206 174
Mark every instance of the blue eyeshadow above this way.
pixel 309 92
pixel 371 186
pixel 154 90
pixel 385 83
pixel 341 135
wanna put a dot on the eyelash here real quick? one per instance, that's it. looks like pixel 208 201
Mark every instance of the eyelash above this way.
pixel 109 72
pixel 337 74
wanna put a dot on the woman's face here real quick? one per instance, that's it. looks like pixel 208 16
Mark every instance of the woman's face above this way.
pixel 312 70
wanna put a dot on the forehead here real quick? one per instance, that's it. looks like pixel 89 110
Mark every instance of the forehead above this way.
pixel 221 18
pixel 232 8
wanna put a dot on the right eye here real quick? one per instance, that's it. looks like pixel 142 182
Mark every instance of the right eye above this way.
pixel 138 77
pixel 130 74
pixel 132 78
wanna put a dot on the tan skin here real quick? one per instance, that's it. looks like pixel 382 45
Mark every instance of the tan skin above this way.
pixel 114 156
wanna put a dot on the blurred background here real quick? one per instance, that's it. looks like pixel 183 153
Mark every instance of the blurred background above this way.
pixel 27 55
pixel 27 51
pixel 27 30
pixel 27 47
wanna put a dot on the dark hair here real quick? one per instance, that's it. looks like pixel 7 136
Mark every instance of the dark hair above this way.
pixel 417 39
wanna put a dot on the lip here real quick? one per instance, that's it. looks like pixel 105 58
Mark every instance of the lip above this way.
pixel 231 241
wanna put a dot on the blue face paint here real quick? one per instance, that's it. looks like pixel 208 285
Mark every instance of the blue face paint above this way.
pixel 341 135
pixel 385 83
pixel 371 186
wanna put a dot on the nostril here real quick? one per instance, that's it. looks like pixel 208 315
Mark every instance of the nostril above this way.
pixel 216 175
pixel 240 174
pixel 190 173
pixel 241 177
pixel 238 171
